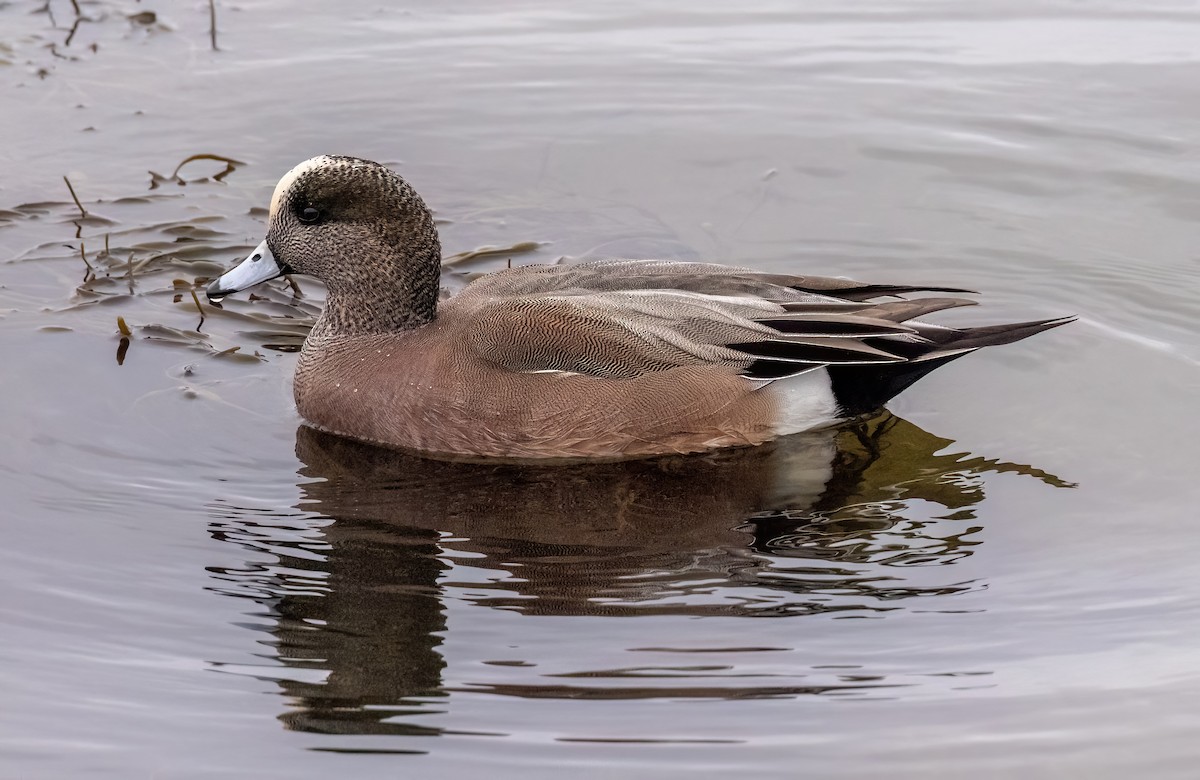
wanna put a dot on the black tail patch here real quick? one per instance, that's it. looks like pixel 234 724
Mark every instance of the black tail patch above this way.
pixel 860 389
pixel 863 389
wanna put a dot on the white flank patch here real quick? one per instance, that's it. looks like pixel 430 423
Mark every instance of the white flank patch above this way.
pixel 290 177
pixel 805 402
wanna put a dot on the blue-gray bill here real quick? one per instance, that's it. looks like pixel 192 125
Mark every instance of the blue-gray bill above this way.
pixel 257 268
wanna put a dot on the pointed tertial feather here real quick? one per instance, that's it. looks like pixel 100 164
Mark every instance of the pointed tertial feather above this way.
pixel 804 323
pixel 902 311
pixel 864 292
pixel 868 291
pixel 827 306
pixel 804 349
pixel 850 290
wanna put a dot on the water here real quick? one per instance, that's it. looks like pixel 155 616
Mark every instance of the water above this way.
pixel 999 580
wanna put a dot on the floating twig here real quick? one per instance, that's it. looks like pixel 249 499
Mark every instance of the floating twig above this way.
pixel 90 271
pixel 212 24
pixel 74 29
pixel 229 162
pixel 82 210
pixel 295 286
pixel 129 273
pixel 79 17
pixel 199 308
pixel 48 11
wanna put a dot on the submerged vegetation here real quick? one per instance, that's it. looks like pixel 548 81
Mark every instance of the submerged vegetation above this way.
pixel 137 17
pixel 156 269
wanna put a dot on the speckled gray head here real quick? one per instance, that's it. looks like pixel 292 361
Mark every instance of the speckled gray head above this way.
pixel 362 230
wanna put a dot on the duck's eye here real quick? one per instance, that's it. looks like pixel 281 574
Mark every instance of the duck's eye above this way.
pixel 309 215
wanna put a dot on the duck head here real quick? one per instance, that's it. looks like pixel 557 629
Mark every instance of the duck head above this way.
pixel 359 228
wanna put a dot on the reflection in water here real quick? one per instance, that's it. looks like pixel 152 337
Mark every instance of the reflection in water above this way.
pixel 858 520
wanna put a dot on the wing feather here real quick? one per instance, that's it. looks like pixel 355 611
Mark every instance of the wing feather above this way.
pixel 624 318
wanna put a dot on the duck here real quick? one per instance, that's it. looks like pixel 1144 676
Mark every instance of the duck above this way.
pixel 609 359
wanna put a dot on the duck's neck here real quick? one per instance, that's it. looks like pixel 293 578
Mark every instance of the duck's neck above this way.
pixel 400 293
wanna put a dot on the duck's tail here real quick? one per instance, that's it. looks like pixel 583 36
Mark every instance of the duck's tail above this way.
pixel 860 389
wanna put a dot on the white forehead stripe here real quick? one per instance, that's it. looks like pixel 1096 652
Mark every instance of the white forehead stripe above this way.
pixel 290 177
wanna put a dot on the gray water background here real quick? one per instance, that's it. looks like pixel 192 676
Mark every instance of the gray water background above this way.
pixel 999 582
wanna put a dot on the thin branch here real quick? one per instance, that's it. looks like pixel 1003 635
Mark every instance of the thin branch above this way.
pixel 82 210
pixel 200 309
pixel 212 24
pixel 48 11
pixel 229 161
pixel 90 270
pixel 74 29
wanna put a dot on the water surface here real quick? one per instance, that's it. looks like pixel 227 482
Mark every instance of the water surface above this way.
pixel 996 579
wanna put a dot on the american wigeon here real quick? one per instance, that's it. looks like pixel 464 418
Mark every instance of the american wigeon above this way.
pixel 612 359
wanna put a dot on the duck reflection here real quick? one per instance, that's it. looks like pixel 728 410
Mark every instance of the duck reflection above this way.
pixel 854 519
